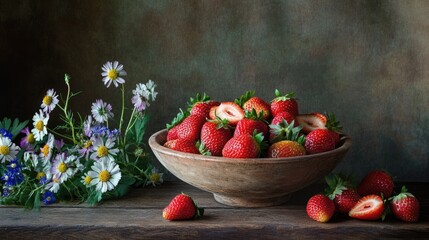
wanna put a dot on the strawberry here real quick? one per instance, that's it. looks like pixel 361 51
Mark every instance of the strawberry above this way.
pixel 243 146
pixel 320 208
pixel 172 127
pixel 370 207
pixel 190 128
pixel 284 103
pixel 252 121
pixel 229 111
pixel 334 126
pixel 319 140
pixel 201 105
pixel 376 182
pixel 312 121
pixel 182 145
pixel 248 102
pixel 405 206
pixel 288 141
pixel 182 207
pixel 215 134
pixel 341 191
pixel 286 116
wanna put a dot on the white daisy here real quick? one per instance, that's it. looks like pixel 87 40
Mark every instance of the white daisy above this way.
pixel 54 185
pixel 103 149
pixel 105 175
pixel 8 149
pixel 87 124
pixel 113 72
pixel 39 122
pixel 101 111
pixel 155 177
pixel 86 180
pixel 46 150
pixel 61 168
pixel 49 101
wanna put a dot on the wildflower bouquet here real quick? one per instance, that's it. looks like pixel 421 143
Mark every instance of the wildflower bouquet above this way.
pixel 85 158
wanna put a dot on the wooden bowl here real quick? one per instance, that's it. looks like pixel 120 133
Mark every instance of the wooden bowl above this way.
pixel 252 182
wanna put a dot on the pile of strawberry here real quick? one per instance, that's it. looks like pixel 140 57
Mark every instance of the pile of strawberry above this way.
pixel 371 200
pixel 250 127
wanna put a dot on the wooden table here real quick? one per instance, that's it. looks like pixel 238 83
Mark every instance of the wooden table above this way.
pixel 139 216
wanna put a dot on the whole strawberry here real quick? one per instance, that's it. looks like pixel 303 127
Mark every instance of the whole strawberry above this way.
pixel 182 145
pixel 182 207
pixel 191 126
pixel 405 206
pixel 335 127
pixel 249 103
pixel 286 116
pixel 319 140
pixel 320 208
pixel 341 191
pixel 201 105
pixel 215 134
pixel 284 103
pixel 173 126
pixel 370 207
pixel 252 121
pixel 243 146
pixel 288 141
pixel 376 182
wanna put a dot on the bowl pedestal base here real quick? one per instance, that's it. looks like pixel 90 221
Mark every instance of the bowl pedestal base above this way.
pixel 250 202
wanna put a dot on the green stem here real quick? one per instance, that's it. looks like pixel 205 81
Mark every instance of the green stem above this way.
pixel 130 125
pixel 61 135
pixel 69 120
pixel 123 108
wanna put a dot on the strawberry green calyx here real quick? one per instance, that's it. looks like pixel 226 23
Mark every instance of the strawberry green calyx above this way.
pixel 259 138
pixel 198 99
pixel 254 115
pixel 178 119
pixel 337 183
pixel 244 98
pixel 404 194
pixel 220 122
pixel 287 131
pixel 280 97
pixel 203 149
pixel 332 124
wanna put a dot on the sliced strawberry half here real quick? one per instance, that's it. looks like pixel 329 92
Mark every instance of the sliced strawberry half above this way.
pixel 312 121
pixel 370 207
pixel 229 111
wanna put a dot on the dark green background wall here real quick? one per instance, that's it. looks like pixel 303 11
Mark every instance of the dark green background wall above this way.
pixel 367 61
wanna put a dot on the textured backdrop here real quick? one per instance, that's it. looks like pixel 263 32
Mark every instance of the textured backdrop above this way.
pixel 367 61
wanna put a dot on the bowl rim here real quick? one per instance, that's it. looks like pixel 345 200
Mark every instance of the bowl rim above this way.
pixel 345 144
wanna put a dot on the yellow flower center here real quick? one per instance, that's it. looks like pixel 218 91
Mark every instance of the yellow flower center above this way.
pixel 45 150
pixel 4 150
pixel 87 180
pixel 102 151
pixel 88 144
pixel 112 74
pixel 47 100
pixel 40 125
pixel 40 175
pixel 62 167
pixel 104 176
pixel 154 177
pixel 30 138
pixel 56 180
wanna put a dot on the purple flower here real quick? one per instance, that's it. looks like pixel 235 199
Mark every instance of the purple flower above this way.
pixel 28 140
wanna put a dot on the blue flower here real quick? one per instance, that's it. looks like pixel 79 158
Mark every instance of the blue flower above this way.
pixel 48 198
pixel 43 180
pixel 13 175
pixel 6 133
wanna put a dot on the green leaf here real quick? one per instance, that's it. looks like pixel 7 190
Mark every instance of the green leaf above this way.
pixel 140 128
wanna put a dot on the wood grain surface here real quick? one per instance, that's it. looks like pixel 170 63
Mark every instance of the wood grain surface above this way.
pixel 139 216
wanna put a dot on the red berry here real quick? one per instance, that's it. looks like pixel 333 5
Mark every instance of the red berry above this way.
pixel 320 208
pixel 376 182
pixel 229 111
pixel 214 135
pixel 318 141
pixel 370 207
pixel 182 145
pixel 243 146
pixel 405 206
pixel 182 207
pixel 312 121
pixel 190 128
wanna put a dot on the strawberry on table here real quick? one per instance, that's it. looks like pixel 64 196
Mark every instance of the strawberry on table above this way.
pixel 370 207
pixel 182 207
pixel 312 121
pixel 342 192
pixel 320 208
pixel 319 140
pixel 405 206
pixel 215 134
pixel 376 182
pixel 229 111
pixel 249 102
pixel 243 146
pixel 284 103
